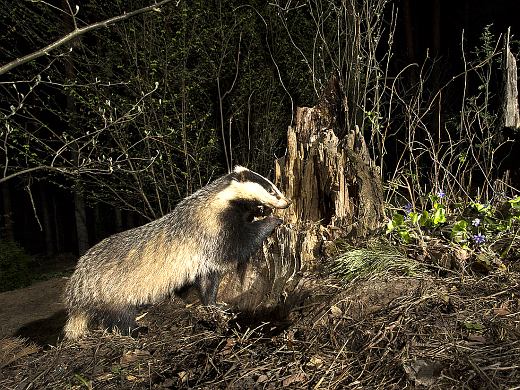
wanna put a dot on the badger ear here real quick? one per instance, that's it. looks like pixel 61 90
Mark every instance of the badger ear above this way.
pixel 237 174
pixel 239 169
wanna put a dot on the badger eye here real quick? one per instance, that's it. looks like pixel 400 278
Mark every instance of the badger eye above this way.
pixel 272 191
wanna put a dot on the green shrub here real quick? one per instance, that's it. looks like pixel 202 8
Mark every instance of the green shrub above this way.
pixel 14 266
pixel 489 229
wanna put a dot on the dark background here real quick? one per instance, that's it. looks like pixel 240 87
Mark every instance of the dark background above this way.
pixel 427 30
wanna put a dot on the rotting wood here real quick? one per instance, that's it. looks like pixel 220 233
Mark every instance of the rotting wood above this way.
pixel 336 190
pixel 510 112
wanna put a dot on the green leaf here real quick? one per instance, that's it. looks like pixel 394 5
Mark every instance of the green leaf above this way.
pixel 459 231
pixel 483 209
pixel 439 216
pixel 473 326
pixel 390 226
pixel 515 203
pixel 396 221
pixel 414 217
pixel 405 236
pixel 425 219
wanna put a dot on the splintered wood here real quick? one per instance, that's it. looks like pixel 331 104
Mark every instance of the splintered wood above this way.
pixel 510 113
pixel 332 182
pixel 335 190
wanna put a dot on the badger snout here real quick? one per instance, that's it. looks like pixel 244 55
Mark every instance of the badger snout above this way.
pixel 283 203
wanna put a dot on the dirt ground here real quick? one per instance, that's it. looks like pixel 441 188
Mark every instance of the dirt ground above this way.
pixel 23 307
pixel 396 332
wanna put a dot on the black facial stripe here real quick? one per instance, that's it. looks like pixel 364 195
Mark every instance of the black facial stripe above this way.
pixel 256 178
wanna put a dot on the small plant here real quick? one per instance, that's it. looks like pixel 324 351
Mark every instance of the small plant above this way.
pixel 409 225
pixel 483 228
pixel 14 266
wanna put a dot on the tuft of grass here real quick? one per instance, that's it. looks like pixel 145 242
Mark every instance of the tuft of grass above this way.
pixel 15 348
pixel 376 259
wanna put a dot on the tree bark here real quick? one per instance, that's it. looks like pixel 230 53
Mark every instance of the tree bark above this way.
pixel 336 191
pixel 332 182
pixel 118 219
pixel 58 227
pixel 510 112
pixel 79 201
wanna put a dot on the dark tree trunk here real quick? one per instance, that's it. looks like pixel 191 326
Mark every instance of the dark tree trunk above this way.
pixel 409 33
pixel 118 219
pixel 79 201
pixel 81 222
pixel 58 227
pixel 7 230
pixel 99 224
pixel 436 28
pixel 47 223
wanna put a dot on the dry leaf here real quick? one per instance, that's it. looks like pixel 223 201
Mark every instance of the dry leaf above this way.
pixel 133 356
pixel 104 377
pixel 422 372
pixel 476 338
pixel 262 378
pixel 168 382
pixel 295 378
pixel 184 376
pixel 228 348
pixel 336 311
pixel 501 311
pixel 315 361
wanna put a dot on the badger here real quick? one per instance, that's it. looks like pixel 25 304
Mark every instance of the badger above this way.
pixel 212 231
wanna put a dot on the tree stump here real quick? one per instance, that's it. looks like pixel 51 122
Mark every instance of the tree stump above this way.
pixel 336 190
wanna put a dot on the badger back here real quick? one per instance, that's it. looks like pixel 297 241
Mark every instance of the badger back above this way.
pixel 208 231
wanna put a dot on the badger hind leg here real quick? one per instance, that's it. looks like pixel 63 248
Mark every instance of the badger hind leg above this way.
pixel 121 321
pixel 207 284
pixel 77 325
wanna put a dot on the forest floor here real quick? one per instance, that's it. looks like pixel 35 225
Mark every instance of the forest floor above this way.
pixel 392 332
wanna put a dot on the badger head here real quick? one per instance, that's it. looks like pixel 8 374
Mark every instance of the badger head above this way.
pixel 254 191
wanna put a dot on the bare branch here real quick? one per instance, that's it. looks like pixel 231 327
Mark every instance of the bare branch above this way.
pixel 77 32
pixel 32 169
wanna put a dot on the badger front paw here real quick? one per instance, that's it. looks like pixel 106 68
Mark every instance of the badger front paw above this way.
pixel 272 222
pixel 276 221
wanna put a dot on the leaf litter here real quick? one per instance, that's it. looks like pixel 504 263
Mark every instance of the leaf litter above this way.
pixel 384 332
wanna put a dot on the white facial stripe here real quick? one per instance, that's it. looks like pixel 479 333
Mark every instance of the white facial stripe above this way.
pixel 254 191
pixel 251 191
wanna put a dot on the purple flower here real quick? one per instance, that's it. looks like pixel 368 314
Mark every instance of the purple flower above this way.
pixel 441 194
pixel 476 222
pixel 479 238
pixel 408 208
